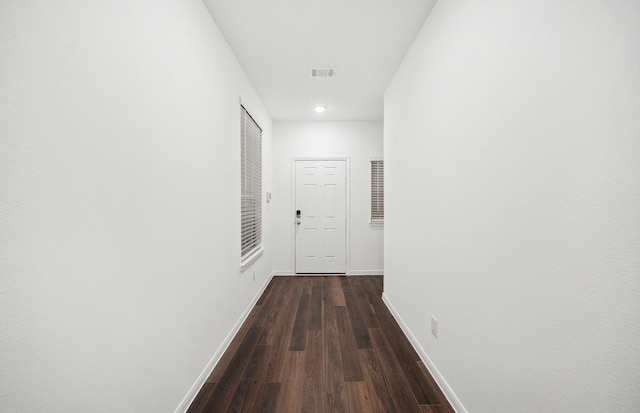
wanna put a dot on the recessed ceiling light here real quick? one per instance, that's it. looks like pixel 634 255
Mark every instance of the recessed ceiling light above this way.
pixel 320 109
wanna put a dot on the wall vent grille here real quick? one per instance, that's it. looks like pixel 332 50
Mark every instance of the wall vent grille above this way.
pixel 322 72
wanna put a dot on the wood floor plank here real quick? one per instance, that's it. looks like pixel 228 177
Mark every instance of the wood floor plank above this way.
pixel 376 382
pixel 358 397
pixel 366 308
pixel 328 302
pixel 243 397
pixel 315 308
pixel 348 349
pixel 266 398
pixel 279 330
pixel 372 284
pixel 292 389
pixel 299 332
pixel 278 317
pixel 336 291
pixel 360 331
pixel 374 298
pixel 401 392
pixel 223 392
pixel 307 283
pixel 268 299
pixel 321 344
pixel 333 370
pixel 314 388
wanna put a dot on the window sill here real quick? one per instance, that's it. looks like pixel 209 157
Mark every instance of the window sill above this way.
pixel 244 264
pixel 376 223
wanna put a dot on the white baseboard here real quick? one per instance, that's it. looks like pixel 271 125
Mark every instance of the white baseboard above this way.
pixel 366 272
pixel 193 391
pixel 444 386
pixel 352 272
pixel 281 272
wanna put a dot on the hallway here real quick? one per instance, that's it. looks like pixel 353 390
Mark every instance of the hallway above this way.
pixel 510 137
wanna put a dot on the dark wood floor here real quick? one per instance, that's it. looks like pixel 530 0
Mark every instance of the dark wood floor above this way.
pixel 321 344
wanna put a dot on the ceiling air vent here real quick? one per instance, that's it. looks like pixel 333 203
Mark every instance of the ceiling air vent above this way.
pixel 322 72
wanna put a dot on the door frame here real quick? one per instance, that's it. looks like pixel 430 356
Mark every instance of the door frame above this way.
pixel 347 197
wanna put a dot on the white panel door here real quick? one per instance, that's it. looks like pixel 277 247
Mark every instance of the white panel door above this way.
pixel 321 225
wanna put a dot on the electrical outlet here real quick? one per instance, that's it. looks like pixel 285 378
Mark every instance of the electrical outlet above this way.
pixel 434 326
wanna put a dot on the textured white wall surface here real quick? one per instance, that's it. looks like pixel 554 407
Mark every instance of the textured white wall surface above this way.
pixel 512 150
pixel 119 203
pixel 357 140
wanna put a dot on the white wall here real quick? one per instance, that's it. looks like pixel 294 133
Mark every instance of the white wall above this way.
pixel 512 133
pixel 119 203
pixel 358 140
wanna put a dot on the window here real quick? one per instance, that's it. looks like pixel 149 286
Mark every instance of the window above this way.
pixel 251 181
pixel 377 191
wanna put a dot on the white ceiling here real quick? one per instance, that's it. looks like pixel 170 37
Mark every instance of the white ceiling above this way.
pixel 278 42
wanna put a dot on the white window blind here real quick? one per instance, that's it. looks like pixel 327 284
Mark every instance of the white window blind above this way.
pixel 251 180
pixel 377 191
